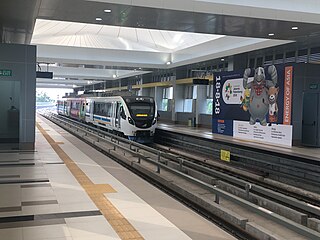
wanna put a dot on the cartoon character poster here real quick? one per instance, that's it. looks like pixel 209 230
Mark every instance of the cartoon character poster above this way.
pixel 254 104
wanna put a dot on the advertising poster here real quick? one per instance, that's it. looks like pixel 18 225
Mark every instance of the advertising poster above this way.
pixel 254 104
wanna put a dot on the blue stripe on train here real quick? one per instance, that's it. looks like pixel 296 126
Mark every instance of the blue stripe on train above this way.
pixel 102 118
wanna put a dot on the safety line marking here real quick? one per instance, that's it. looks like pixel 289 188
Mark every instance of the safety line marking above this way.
pixel 119 223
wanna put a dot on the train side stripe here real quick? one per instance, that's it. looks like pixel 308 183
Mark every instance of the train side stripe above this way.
pixel 102 118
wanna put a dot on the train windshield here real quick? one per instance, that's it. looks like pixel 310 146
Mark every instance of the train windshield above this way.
pixel 141 107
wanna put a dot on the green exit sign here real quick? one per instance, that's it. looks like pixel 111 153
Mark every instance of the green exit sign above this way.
pixel 5 73
pixel 313 86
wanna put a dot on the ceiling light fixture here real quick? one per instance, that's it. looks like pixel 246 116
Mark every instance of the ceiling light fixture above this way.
pixel 222 59
pixel 271 34
pixel 169 62
pixel 98 19
pixel 294 28
pixel 107 10
pixel 114 75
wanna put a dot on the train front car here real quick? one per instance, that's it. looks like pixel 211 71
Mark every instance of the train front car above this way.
pixel 142 118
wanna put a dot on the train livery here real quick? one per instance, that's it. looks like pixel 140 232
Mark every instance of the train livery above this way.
pixel 133 117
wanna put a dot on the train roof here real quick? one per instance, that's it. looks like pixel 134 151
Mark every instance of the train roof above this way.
pixel 126 98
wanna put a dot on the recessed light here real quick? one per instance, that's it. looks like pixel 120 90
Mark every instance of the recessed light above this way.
pixel 114 75
pixel 140 68
pixel 107 10
pixel 294 28
pixel 169 62
pixel 222 59
pixel 271 34
pixel 98 19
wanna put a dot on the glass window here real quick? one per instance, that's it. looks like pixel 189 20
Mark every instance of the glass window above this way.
pixel 195 92
pixel 88 106
pixel 251 63
pixel 187 106
pixel 209 106
pixel 164 104
pixel 259 61
pixel 209 91
pixel 188 92
pixel 141 110
pixel 108 109
pixel 167 93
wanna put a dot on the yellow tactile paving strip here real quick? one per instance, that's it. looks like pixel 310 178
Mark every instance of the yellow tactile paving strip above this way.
pixel 95 191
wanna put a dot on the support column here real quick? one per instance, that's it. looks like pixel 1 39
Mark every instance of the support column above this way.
pixel 201 103
pixel 158 96
pixel 17 96
pixel 173 102
pixel 230 63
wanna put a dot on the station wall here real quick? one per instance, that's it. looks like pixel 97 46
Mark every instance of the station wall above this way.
pixel 306 79
pixel 18 97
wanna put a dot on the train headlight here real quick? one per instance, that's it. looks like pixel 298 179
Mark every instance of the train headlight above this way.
pixel 130 120
pixel 154 121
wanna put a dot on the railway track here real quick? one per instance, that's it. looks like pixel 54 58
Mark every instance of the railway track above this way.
pixel 237 200
pixel 293 170
pixel 252 176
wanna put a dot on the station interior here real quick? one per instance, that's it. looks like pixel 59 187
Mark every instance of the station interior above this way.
pixel 170 119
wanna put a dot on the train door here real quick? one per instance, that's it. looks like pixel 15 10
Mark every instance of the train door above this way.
pixel 82 113
pixel 113 119
pixel 91 104
pixel 64 107
pixel 310 119
pixel 117 117
pixel 68 108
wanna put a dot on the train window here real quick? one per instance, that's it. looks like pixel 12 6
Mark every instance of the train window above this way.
pixel 108 107
pixel 102 109
pixel 122 113
pixel 88 108
pixel 141 109
pixel 96 108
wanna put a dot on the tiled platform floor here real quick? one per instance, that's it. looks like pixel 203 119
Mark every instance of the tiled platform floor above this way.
pixel 67 190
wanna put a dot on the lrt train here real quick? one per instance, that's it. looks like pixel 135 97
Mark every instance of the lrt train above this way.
pixel 133 117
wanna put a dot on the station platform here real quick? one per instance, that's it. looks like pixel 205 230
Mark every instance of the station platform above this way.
pixel 206 133
pixel 67 190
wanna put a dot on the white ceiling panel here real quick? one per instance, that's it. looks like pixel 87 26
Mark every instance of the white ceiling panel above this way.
pixel 74 43
pixel 112 37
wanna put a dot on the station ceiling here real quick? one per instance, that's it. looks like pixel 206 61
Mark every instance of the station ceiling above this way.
pixel 132 37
